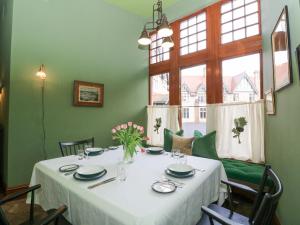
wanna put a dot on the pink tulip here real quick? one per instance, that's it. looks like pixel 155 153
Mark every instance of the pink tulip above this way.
pixel 113 131
pixel 125 126
pixel 130 124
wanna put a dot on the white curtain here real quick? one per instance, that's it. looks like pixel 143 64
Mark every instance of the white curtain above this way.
pixel 169 120
pixel 220 117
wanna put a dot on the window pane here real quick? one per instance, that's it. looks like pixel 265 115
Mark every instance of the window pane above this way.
pixel 201 18
pixel 244 15
pixel 201 26
pixel 192 30
pixel 238 3
pixel 160 89
pixel 192 48
pixel 252 8
pixel 202 36
pixel 193 38
pixel 252 19
pixel 183 25
pixel 238 13
pixel 253 30
pixel 226 7
pixel 226 38
pixel 184 33
pixel 201 45
pixel 193 34
pixel 192 21
pixel 157 53
pixel 239 34
pixel 239 23
pixel 184 50
pixel 226 27
pixel 193 99
pixel 184 42
pixel 227 17
pixel 241 79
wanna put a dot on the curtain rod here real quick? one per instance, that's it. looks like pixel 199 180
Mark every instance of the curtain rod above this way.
pixel 216 104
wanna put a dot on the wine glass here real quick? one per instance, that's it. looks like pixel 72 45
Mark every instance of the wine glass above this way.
pixel 80 153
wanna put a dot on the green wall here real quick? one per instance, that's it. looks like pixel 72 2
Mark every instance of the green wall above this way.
pixel 282 130
pixel 76 40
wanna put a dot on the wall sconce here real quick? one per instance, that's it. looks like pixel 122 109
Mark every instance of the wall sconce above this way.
pixel 41 73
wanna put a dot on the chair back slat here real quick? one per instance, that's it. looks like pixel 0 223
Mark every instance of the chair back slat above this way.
pixel 70 148
pixel 267 199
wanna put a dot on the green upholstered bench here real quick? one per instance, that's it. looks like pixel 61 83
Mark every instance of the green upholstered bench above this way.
pixel 249 173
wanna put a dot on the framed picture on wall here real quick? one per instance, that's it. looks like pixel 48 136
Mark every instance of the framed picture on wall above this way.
pixel 281 52
pixel 88 94
pixel 270 102
pixel 298 58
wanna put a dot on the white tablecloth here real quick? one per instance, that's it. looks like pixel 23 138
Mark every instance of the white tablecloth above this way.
pixel 132 202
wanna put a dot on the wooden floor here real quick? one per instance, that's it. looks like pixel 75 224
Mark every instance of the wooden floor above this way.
pixel 18 211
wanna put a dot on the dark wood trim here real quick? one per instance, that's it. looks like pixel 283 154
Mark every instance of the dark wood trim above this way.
pixel 212 56
pixel 11 190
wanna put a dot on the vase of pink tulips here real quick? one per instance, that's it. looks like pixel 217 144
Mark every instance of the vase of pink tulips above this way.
pixel 129 135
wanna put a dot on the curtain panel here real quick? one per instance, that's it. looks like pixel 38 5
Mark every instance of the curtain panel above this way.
pixel 220 117
pixel 169 120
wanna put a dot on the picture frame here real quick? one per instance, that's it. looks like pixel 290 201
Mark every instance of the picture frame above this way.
pixel 298 58
pixel 281 52
pixel 88 94
pixel 270 102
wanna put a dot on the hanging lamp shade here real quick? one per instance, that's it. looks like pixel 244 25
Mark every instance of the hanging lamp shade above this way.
pixel 164 30
pixel 144 38
pixel 167 43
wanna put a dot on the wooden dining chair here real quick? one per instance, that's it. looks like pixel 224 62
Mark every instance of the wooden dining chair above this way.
pixel 54 215
pixel 263 211
pixel 70 148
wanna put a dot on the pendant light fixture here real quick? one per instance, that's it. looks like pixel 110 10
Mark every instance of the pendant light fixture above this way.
pixel 167 43
pixel 160 24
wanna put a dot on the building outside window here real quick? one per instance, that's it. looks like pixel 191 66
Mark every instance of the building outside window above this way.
pixel 186 113
pixel 202 113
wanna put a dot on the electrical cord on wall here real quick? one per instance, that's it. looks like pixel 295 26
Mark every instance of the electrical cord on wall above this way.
pixel 43 120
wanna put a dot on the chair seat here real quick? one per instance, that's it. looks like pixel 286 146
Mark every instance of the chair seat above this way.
pixel 238 218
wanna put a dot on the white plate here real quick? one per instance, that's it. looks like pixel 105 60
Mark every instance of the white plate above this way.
pixel 155 149
pixel 180 168
pixel 90 170
pixel 91 150
pixel 164 187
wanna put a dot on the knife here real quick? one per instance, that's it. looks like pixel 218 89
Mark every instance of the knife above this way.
pixel 102 182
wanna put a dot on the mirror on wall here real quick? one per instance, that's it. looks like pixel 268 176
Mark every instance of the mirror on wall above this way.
pixel 281 52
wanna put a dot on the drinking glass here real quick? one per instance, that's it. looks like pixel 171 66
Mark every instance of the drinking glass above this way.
pixel 176 153
pixel 80 153
pixel 86 146
pixel 121 172
pixel 183 159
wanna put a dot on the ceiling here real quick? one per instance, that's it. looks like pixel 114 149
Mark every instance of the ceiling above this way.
pixel 140 7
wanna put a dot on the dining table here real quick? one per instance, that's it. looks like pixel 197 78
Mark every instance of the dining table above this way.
pixel 131 201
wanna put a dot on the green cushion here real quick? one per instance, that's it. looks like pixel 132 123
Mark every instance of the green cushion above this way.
pixel 205 146
pixel 243 171
pixel 197 133
pixel 168 139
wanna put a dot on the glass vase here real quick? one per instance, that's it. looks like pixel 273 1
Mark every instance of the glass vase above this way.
pixel 128 156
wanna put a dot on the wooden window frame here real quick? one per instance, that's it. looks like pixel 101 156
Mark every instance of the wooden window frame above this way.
pixel 212 56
